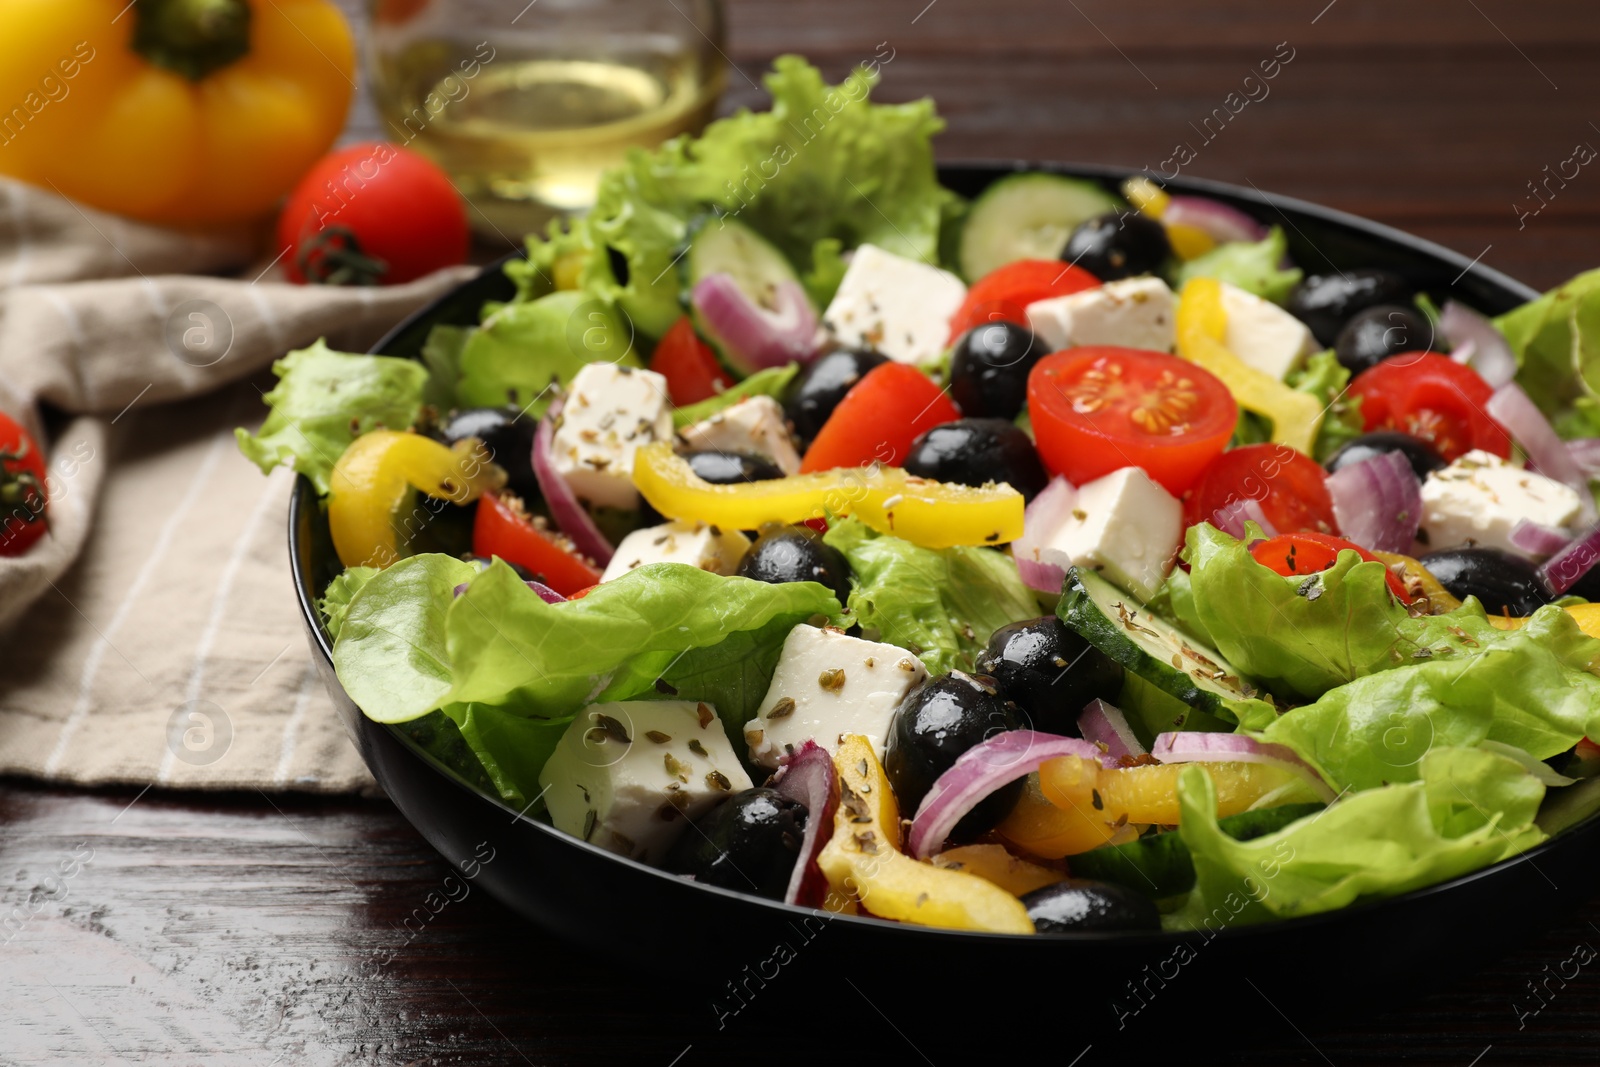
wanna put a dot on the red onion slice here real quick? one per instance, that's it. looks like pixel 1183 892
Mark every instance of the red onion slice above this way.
pixel 1585 452
pixel 752 335
pixel 1377 502
pixel 546 594
pixel 1547 452
pixel 1041 569
pixel 979 771
pixel 1222 222
pixel 1104 724
pixel 809 777
pixel 571 517
pixel 1475 341
pixel 1230 518
pixel 1537 540
pixel 1562 570
pixel 1195 746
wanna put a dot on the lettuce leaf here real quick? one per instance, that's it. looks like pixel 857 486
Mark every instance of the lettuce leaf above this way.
pixel 1252 266
pixel 335 600
pixel 522 348
pixel 1556 340
pixel 770 382
pixel 1325 378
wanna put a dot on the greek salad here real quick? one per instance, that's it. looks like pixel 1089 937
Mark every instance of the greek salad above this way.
pixel 1063 559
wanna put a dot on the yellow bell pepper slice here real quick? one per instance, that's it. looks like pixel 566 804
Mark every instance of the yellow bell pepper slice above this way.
pixel 372 481
pixel 1201 326
pixel 1145 195
pixel 863 862
pixel 1587 616
pixel 927 513
pixel 994 864
pixel 1189 242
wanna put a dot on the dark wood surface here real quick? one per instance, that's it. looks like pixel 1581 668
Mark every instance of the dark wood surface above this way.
pixel 165 928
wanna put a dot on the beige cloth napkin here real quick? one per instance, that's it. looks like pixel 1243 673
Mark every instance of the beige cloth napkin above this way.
pixel 152 637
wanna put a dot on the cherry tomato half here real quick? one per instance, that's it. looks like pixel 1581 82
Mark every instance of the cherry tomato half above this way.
pixel 1291 489
pixel 689 365
pixel 501 528
pixel 1307 553
pixel 1003 295
pixel 22 489
pixel 1432 397
pixel 891 406
pixel 1100 408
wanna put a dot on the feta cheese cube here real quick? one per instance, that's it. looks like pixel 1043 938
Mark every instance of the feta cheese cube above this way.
pixel 826 685
pixel 610 412
pixel 1263 334
pixel 630 776
pixel 1131 312
pixel 895 305
pixel 1125 526
pixel 755 425
pixel 1480 497
pixel 710 548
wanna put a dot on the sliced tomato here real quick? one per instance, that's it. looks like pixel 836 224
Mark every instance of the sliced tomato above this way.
pixel 689 365
pixel 1100 408
pixel 1307 553
pixel 502 528
pixel 1290 488
pixel 1432 397
pixel 891 406
pixel 1003 295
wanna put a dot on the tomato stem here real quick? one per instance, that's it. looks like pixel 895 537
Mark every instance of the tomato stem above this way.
pixel 193 38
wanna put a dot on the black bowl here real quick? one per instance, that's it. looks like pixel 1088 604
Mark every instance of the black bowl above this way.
pixel 720 942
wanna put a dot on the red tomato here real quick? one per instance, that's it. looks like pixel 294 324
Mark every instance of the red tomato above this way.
pixel 369 214
pixel 1099 408
pixel 22 489
pixel 1003 295
pixel 1307 553
pixel 689 365
pixel 580 594
pixel 1432 397
pixel 501 528
pixel 1290 487
pixel 890 407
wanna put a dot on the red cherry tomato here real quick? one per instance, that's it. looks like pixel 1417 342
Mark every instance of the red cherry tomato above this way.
pixel 23 490
pixel 1307 553
pixel 689 365
pixel 1432 397
pixel 372 214
pixel 1291 489
pixel 1003 295
pixel 1099 408
pixel 891 406
pixel 580 594
pixel 501 528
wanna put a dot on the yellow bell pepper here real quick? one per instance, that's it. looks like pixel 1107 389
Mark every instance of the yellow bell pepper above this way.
pixel 1202 325
pixel 1587 616
pixel 994 864
pixel 372 481
pixel 171 111
pixel 863 862
pixel 927 513
pixel 1188 242
pixel 1420 582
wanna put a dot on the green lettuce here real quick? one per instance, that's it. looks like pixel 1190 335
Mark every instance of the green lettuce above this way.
pixel 770 382
pixel 1556 340
pixel 1325 378
pixel 326 399
pixel 522 348
pixel 942 604
pixel 335 600
pixel 441 354
pixel 1251 266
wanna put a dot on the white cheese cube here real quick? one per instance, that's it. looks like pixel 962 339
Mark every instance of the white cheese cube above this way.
pixel 1125 526
pixel 1131 312
pixel 609 414
pixel 895 305
pixel 1481 497
pixel 826 685
pixel 1263 334
pixel 698 544
pixel 755 425
pixel 630 776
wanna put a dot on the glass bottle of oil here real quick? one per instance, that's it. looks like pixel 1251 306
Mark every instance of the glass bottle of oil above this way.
pixel 525 104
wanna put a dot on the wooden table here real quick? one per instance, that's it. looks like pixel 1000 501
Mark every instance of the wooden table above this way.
pixel 257 930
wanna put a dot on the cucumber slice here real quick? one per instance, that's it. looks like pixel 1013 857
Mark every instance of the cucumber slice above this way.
pixel 728 246
pixel 1027 216
pixel 1119 625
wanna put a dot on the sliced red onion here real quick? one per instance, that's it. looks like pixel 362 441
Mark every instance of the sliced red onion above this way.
pixel 1562 570
pixel 1547 452
pixel 1475 341
pixel 1041 568
pixel 1104 724
pixel 979 771
pixel 546 594
pixel 809 777
pixel 750 334
pixel 1377 502
pixel 1230 518
pixel 1195 746
pixel 570 516
pixel 1537 540
pixel 1585 452
pixel 1222 222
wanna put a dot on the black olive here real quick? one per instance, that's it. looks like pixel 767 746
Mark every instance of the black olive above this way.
pixel 935 723
pixel 508 434
pixel 1377 333
pixel 1118 245
pixel 731 468
pixel 978 451
pixel 1504 582
pixel 1417 452
pixel 989 368
pixel 748 842
pixel 1081 906
pixel 1325 302
pixel 796 554
pixel 1049 672
pixel 813 395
